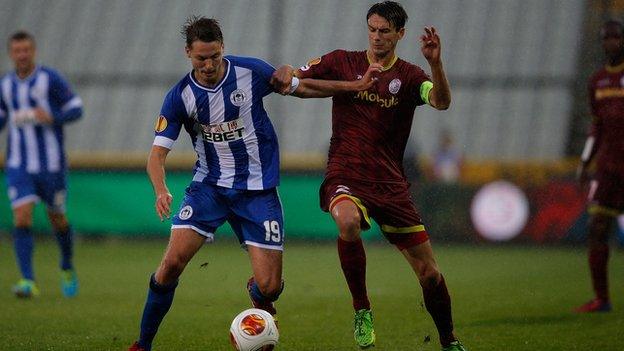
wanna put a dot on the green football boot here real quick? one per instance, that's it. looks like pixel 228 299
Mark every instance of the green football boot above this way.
pixel 455 346
pixel 25 288
pixel 364 333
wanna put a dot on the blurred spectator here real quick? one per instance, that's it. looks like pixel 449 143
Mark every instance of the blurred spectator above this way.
pixel 447 161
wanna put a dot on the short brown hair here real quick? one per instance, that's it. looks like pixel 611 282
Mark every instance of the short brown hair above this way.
pixel 19 36
pixel 201 28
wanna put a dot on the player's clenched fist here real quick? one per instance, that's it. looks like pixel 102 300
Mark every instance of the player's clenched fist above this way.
pixel 163 205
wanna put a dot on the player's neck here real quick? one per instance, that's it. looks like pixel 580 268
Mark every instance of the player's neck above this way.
pixel 25 72
pixel 212 83
pixel 387 61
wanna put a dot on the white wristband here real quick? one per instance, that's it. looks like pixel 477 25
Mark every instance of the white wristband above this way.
pixel 294 84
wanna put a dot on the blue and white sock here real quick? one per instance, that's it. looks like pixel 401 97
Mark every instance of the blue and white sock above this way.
pixel 159 300
pixel 65 242
pixel 24 243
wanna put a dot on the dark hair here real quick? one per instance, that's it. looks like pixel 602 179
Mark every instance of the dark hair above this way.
pixel 610 23
pixel 201 28
pixel 21 35
pixel 392 11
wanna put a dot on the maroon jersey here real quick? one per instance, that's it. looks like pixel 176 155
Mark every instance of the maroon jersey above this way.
pixel 606 93
pixel 369 128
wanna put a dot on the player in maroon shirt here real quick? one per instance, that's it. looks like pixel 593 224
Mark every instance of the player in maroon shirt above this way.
pixel 605 144
pixel 364 177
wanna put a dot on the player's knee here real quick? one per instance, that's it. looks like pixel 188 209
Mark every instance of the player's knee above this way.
pixel 349 226
pixel 59 222
pixel 22 219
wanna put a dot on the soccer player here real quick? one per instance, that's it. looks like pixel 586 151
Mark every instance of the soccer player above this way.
pixel 605 144
pixel 237 170
pixel 364 177
pixel 35 103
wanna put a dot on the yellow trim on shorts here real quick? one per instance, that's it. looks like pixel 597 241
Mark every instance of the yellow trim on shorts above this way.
pixel 403 230
pixel 357 203
pixel 602 210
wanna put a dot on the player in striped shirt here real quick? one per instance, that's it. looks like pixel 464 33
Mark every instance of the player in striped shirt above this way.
pixel 35 104
pixel 219 104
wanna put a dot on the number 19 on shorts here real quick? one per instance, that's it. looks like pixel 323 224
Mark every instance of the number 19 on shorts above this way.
pixel 272 231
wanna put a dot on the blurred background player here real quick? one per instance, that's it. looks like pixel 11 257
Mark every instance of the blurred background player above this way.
pixel 365 178
pixel 605 144
pixel 447 160
pixel 35 102
pixel 237 170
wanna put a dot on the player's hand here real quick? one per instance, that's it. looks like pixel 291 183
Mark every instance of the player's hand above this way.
pixel 370 77
pixel 430 45
pixel 163 205
pixel 24 116
pixel 42 116
pixel 282 79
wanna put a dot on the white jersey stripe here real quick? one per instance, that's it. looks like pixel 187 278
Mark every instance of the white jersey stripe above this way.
pixel 227 164
pixel 53 150
pixel 244 82
pixel 50 142
pixel 30 138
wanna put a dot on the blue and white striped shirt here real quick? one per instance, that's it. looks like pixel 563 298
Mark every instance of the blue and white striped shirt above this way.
pixel 32 146
pixel 230 130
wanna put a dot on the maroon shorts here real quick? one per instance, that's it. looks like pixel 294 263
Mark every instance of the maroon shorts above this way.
pixel 606 194
pixel 389 204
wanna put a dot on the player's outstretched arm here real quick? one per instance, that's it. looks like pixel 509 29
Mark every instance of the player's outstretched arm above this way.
pixel 440 94
pixel 156 172
pixel 315 88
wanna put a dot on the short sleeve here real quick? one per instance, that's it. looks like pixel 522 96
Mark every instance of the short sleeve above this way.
pixel 265 70
pixel 61 93
pixel 324 67
pixel 421 85
pixel 170 121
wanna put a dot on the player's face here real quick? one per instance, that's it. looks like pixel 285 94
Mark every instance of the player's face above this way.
pixel 22 53
pixel 613 41
pixel 207 61
pixel 382 36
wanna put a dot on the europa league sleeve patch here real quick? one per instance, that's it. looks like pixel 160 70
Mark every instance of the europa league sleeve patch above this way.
pixel 311 63
pixel 161 124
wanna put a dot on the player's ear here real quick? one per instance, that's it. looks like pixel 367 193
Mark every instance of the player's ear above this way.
pixel 187 49
pixel 401 33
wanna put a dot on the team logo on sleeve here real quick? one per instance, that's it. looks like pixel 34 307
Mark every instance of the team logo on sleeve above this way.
pixel 311 63
pixel 185 213
pixel 394 85
pixel 161 124
pixel 238 97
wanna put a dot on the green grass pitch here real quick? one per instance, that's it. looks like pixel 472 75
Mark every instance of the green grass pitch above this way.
pixel 504 298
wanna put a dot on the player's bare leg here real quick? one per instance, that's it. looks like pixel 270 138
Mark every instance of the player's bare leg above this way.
pixel 64 237
pixel 435 293
pixel 600 225
pixel 24 244
pixel 353 262
pixel 266 284
pixel 183 245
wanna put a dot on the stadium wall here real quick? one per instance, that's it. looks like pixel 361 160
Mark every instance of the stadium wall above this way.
pixel 120 203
